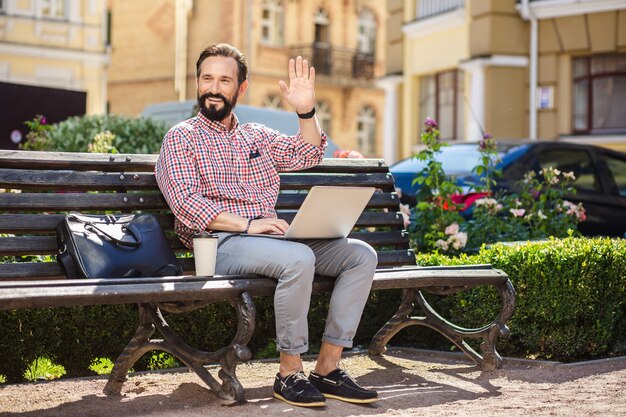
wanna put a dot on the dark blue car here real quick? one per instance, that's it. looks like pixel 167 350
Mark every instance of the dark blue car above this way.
pixel 600 176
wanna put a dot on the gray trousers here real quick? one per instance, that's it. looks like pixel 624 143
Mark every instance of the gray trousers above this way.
pixel 293 264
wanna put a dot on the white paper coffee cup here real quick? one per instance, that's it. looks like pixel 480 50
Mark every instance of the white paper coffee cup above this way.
pixel 205 253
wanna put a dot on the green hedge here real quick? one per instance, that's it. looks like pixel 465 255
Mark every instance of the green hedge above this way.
pixel 132 135
pixel 571 305
pixel 571 297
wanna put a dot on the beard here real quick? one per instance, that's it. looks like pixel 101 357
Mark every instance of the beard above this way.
pixel 212 112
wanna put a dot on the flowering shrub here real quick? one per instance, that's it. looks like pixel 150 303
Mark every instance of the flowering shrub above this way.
pixel 435 211
pixel 535 210
pixel 38 136
pixel 102 143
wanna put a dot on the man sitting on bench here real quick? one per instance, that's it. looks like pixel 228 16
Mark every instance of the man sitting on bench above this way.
pixel 220 176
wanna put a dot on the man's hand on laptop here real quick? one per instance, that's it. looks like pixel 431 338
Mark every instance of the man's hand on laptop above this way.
pixel 268 226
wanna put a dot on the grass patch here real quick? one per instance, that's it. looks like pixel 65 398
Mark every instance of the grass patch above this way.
pixel 43 368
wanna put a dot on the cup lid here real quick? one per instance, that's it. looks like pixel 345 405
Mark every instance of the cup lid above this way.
pixel 204 235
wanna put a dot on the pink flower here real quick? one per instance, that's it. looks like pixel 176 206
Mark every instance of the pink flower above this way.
pixel 517 212
pixel 406 213
pixel 43 120
pixel 430 123
pixel 347 153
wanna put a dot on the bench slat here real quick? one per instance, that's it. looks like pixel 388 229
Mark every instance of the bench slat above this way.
pixel 47 245
pixel 101 181
pixel 139 201
pixel 80 161
pixel 46 223
pixel 49 270
pixel 90 292
pixel 72 180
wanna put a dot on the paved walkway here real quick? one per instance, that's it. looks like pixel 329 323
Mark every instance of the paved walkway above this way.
pixel 410 383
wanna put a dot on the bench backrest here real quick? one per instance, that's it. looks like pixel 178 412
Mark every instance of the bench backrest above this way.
pixel 40 187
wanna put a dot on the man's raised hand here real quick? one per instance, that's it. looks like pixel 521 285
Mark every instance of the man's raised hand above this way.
pixel 300 93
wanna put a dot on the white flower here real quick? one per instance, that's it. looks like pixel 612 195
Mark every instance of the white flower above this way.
pixel 452 229
pixel 458 241
pixel 569 175
pixel 529 176
pixel 517 212
pixel 489 202
pixel 541 215
pixel 442 244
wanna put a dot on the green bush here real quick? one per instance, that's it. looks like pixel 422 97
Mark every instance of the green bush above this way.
pixel 571 297
pixel 132 135
pixel 571 305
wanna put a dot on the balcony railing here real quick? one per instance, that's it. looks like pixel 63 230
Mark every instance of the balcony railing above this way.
pixel 336 62
pixel 427 8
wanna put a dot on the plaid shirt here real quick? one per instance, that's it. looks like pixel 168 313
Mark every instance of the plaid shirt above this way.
pixel 204 169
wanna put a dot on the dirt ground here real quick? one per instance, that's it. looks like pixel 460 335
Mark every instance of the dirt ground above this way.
pixel 410 383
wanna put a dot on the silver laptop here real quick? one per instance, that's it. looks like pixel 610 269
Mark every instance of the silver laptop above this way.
pixel 328 212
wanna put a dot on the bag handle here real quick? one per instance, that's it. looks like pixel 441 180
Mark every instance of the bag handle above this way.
pixel 130 227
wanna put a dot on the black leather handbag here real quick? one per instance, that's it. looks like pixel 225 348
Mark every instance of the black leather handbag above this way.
pixel 114 246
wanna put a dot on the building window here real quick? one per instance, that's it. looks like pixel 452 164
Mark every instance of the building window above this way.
pixel 272 102
pixel 599 94
pixel 109 28
pixel 272 22
pixel 366 131
pixel 52 9
pixel 322 111
pixel 321 47
pixel 366 38
pixel 441 98
pixel 321 26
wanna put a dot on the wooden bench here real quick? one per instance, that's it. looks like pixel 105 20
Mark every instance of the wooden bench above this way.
pixel 44 185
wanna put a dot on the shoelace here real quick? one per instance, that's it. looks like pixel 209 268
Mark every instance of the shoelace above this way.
pixel 298 376
pixel 344 373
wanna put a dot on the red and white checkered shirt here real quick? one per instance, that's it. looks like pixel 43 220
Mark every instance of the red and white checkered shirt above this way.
pixel 204 169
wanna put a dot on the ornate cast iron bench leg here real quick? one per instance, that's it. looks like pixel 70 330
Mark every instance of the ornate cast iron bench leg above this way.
pixel 131 353
pixel 228 357
pixel 489 360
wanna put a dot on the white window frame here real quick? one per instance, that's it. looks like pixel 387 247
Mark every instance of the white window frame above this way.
pixel 324 116
pixel 366 135
pixel 274 23
pixel 366 35
pixel 430 104
pixel 57 9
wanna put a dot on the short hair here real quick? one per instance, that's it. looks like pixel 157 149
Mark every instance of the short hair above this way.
pixel 224 49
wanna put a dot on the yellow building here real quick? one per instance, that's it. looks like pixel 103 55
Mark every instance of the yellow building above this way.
pixel 56 43
pixel 544 69
pixel 155 44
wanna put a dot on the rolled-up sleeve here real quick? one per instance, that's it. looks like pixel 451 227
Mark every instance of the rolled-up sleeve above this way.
pixel 177 176
pixel 293 152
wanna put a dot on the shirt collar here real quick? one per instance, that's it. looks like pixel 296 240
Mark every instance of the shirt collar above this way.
pixel 217 126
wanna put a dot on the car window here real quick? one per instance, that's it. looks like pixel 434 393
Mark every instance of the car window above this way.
pixel 618 170
pixel 572 160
